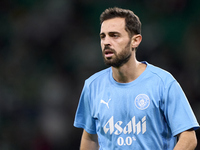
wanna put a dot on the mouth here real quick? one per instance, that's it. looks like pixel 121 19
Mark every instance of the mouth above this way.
pixel 108 53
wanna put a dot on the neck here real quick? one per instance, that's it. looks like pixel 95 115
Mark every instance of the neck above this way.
pixel 129 71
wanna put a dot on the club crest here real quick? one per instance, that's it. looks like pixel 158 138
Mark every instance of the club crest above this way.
pixel 142 101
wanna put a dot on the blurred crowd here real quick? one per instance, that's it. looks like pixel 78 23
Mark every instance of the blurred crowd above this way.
pixel 48 48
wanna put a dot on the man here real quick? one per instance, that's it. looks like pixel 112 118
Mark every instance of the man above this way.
pixel 132 104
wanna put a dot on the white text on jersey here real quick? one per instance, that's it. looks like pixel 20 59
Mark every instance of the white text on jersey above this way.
pixel 131 126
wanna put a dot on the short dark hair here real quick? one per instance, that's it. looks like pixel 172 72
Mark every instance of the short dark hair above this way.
pixel 132 21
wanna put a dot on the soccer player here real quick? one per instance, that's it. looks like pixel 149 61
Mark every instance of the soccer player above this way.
pixel 132 105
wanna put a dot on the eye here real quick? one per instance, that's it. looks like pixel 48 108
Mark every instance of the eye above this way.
pixel 114 35
pixel 102 36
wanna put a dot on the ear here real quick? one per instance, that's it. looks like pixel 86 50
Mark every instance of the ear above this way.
pixel 136 40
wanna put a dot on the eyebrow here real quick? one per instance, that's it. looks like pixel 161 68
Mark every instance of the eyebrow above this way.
pixel 109 33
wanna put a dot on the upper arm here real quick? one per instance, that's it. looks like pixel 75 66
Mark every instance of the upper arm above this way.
pixel 186 140
pixel 177 110
pixel 89 141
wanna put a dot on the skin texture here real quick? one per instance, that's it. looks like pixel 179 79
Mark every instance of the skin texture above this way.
pixel 89 141
pixel 187 140
pixel 118 47
pixel 114 35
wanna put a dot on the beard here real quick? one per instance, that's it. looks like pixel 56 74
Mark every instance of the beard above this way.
pixel 119 59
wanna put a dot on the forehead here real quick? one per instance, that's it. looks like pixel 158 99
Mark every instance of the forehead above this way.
pixel 114 24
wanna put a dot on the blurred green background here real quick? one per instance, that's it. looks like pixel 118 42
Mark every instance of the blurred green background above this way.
pixel 49 47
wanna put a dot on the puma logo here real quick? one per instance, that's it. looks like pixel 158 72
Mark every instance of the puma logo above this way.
pixel 102 101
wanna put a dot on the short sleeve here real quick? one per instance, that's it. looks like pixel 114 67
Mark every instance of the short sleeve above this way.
pixel 83 117
pixel 177 110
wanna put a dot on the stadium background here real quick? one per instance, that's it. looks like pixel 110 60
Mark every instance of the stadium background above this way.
pixel 48 48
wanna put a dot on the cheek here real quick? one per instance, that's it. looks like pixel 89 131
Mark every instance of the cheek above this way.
pixel 120 46
pixel 101 45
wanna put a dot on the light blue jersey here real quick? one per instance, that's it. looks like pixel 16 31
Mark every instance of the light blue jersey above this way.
pixel 145 114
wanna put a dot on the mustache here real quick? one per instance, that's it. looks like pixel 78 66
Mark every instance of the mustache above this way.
pixel 108 48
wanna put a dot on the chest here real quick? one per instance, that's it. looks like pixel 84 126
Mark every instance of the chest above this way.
pixel 122 104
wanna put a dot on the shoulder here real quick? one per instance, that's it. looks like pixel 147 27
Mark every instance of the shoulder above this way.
pixel 98 76
pixel 163 75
